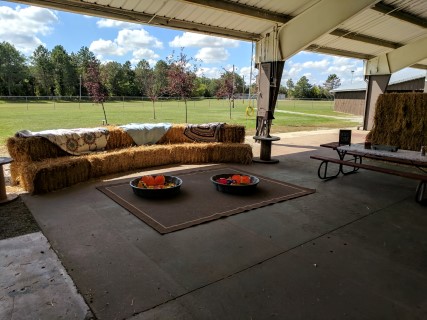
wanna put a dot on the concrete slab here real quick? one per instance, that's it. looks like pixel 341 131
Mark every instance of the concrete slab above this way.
pixel 34 284
pixel 257 264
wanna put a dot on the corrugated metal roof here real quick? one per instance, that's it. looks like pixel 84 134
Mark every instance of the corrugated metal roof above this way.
pixel 385 26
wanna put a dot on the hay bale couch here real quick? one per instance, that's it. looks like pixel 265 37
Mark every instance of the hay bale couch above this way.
pixel 40 166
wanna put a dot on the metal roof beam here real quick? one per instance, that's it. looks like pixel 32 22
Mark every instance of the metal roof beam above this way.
pixel 419 66
pixel 390 62
pixel 242 9
pixel 304 29
pixel 94 9
pixel 364 38
pixel 339 52
pixel 400 14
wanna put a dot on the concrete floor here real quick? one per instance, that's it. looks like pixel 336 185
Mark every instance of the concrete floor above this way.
pixel 355 249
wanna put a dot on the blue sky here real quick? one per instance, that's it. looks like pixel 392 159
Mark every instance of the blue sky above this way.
pixel 27 27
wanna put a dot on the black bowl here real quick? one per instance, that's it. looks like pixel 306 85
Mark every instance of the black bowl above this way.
pixel 235 189
pixel 157 193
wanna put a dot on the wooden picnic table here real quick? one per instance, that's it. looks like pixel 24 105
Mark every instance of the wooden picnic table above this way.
pixel 358 153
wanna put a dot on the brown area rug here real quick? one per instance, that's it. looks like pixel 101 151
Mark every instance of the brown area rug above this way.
pixel 199 201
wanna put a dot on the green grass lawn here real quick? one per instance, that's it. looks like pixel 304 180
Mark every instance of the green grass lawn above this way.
pixel 43 115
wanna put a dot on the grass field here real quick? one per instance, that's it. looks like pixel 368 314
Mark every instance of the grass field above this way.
pixel 43 115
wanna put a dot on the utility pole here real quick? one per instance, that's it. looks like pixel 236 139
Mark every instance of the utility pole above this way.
pixel 243 92
pixel 80 92
pixel 232 94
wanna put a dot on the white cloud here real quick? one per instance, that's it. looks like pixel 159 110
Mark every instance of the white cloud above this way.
pixel 106 47
pixel 109 23
pixel 212 55
pixel 151 62
pixel 293 72
pixel 212 73
pixel 321 66
pixel 189 39
pixel 20 26
pixel 324 63
pixel 145 53
pixel 246 73
pixel 134 39
pixel 347 69
pixel 138 42
pixel 308 75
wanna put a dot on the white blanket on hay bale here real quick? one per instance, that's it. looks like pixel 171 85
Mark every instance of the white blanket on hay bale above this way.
pixel 146 133
pixel 74 141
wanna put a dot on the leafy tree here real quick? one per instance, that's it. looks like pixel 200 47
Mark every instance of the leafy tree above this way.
pixel 94 85
pixel 332 82
pixel 212 86
pixel 112 75
pixel 64 76
pixel 283 90
pixel 142 73
pixel 201 88
pixel 317 92
pixel 127 82
pixel 181 76
pixel 42 70
pixel 13 71
pixel 291 87
pixel 161 77
pixel 148 83
pixel 81 61
pixel 302 88
pixel 228 87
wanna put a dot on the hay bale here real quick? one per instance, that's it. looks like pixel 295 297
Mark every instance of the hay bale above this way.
pixel 57 173
pixel 51 174
pixel 33 149
pixel 129 159
pixel 232 134
pixel 118 138
pixel 175 135
pixel 232 152
pixel 16 170
pixel 401 120
pixel 188 153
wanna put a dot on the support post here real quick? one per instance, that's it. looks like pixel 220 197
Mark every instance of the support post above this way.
pixel 377 84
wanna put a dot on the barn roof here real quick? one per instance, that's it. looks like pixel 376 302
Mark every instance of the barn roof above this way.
pixel 398 77
pixel 379 28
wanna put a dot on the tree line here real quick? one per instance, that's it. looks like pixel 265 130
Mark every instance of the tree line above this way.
pixel 58 73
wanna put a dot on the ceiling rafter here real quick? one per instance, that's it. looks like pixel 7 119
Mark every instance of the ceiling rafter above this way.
pixel 364 38
pixel 338 52
pixel 400 14
pixel 242 9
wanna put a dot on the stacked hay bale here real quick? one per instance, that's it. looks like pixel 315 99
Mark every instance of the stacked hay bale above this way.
pixel 40 166
pixel 401 120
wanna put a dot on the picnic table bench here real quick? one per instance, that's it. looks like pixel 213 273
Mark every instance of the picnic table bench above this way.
pixel 357 153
